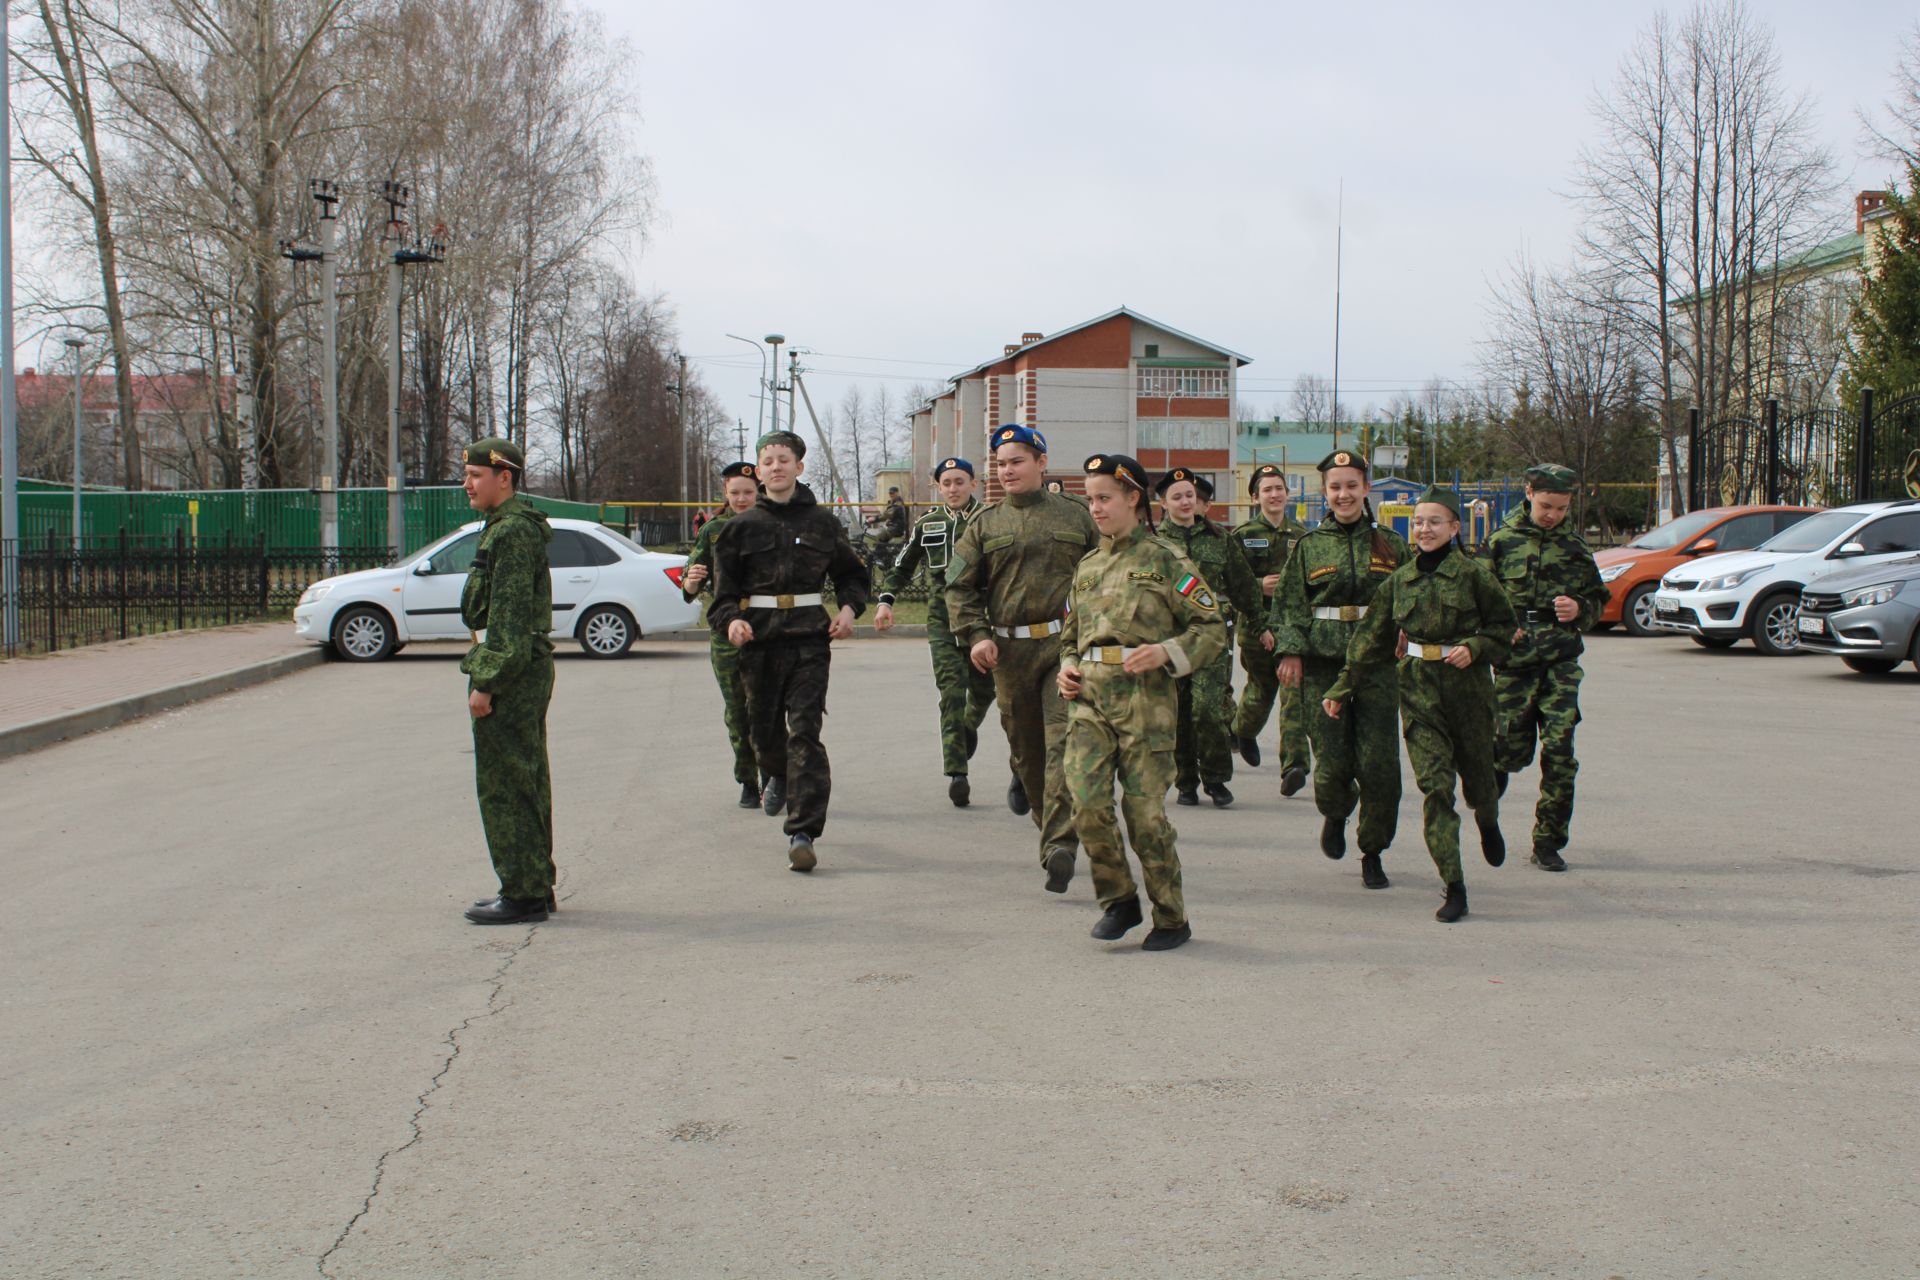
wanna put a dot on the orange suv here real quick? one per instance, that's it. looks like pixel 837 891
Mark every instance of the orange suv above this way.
pixel 1633 571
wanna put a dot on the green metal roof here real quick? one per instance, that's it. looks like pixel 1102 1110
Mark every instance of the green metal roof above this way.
pixel 1849 249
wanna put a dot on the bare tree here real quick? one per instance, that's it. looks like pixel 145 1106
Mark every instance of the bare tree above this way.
pixel 1893 132
pixel 1312 401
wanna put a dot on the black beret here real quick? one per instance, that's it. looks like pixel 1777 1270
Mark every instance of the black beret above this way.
pixel 1200 483
pixel 1260 473
pixel 1343 458
pixel 1121 467
pixel 733 469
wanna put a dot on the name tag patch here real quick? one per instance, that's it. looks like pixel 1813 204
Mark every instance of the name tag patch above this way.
pixel 1255 544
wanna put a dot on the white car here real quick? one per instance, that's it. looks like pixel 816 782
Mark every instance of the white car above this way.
pixel 607 592
pixel 1756 594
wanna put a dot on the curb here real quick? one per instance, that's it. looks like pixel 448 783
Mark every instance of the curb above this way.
pixel 105 715
pixel 909 630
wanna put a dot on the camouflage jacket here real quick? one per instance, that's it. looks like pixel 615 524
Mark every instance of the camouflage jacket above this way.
pixel 702 553
pixel 1457 602
pixel 935 535
pixel 1014 563
pixel 1533 565
pixel 1218 558
pixel 509 595
pixel 1265 547
pixel 784 548
pixel 1332 565
pixel 1138 589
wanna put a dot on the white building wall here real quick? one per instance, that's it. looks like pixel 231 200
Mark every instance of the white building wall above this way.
pixel 1082 412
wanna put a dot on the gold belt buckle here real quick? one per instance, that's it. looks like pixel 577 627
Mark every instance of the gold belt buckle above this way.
pixel 784 602
pixel 1349 613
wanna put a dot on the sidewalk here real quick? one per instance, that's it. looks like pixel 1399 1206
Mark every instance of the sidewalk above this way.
pixel 63 695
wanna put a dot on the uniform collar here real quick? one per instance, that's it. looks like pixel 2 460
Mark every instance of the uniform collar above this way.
pixel 1125 540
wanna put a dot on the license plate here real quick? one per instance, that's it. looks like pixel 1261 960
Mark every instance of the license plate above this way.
pixel 1812 626
pixel 1666 604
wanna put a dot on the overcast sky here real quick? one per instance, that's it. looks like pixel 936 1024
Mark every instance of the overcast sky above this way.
pixel 915 185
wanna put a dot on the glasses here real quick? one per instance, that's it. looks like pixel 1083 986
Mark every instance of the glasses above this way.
pixel 1431 524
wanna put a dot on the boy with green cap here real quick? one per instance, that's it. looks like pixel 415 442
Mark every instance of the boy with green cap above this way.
pixel 1266 538
pixel 1455 623
pixel 509 595
pixel 1548 573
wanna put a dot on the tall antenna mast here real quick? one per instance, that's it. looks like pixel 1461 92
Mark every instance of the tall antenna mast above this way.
pixel 1339 233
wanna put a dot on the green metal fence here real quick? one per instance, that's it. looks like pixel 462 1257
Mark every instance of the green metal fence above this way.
pixel 289 519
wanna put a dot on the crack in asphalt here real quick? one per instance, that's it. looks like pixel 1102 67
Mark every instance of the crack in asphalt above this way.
pixel 494 1005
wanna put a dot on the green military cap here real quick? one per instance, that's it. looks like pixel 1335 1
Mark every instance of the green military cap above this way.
pixel 1444 497
pixel 1343 458
pixel 1260 473
pixel 1551 477
pixel 786 439
pixel 495 452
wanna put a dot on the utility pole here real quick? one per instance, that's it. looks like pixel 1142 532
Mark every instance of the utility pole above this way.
pixel 327 195
pixel 680 390
pixel 826 442
pixel 740 436
pixel 422 253
pixel 9 417
pixel 773 380
pixel 74 345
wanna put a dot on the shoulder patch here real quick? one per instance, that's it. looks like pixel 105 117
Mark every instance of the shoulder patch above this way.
pixel 1324 571
pixel 1144 575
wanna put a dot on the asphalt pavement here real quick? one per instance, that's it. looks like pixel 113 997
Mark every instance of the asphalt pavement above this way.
pixel 247 1032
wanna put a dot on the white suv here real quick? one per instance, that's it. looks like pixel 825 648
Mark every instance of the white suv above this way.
pixel 1756 594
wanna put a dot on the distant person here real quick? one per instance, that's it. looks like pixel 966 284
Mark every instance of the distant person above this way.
pixel 740 488
pixel 1265 539
pixel 1550 577
pixel 890 525
pixel 1454 623
pixel 509 595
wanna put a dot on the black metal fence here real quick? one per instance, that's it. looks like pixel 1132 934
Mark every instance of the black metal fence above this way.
pixel 1812 457
pixel 118 587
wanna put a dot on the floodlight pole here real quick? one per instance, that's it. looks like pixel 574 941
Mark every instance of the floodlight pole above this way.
pixel 773 382
pixel 327 195
pixel 759 422
pixel 74 345
pixel 419 252
pixel 680 391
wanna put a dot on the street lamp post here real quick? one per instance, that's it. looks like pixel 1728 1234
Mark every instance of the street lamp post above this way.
pixel 759 423
pixel 9 418
pixel 74 345
pixel 327 195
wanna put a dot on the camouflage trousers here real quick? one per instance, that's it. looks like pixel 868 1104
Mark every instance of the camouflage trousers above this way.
pixel 1357 757
pixel 965 691
pixel 1542 701
pixel 1120 729
pixel 733 697
pixel 1256 704
pixel 1448 717
pixel 1203 751
pixel 514 784
pixel 1034 716
pixel 787 704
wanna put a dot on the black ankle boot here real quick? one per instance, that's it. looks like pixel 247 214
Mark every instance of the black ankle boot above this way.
pixel 1333 838
pixel 1493 845
pixel 1455 906
pixel 1372 874
pixel 1120 917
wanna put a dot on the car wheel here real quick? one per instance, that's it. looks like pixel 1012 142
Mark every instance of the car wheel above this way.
pixel 1872 666
pixel 1713 642
pixel 606 631
pixel 1637 610
pixel 1776 624
pixel 363 634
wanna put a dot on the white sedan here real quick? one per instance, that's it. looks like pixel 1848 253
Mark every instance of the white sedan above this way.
pixel 607 592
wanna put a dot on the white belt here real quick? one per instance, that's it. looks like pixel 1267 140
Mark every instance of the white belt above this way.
pixel 1341 612
pixel 781 602
pixel 1109 655
pixel 1430 652
pixel 1032 632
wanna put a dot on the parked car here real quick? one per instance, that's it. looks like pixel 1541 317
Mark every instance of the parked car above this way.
pixel 1633 572
pixel 1869 616
pixel 607 592
pixel 1756 594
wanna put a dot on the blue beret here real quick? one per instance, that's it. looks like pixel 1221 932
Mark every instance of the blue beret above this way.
pixel 1014 433
pixel 950 464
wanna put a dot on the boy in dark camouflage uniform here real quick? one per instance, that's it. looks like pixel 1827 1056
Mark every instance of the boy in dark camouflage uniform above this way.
pixel 741 488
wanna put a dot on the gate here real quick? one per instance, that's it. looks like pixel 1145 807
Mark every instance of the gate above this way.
pixel 1807 457
pixel 1890 446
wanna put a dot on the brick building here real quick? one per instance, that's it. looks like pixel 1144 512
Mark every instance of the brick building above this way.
pixel 1119 382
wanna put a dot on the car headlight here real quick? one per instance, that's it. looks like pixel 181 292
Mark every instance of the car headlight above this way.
pixel 1879 593
pixel 1613 571
pixel 314 592
pixel 1728 582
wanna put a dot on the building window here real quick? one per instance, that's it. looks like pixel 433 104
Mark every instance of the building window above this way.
pixel 1185 433
pixel 1186 384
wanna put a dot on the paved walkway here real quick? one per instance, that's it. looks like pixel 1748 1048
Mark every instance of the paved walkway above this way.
pixel 39 688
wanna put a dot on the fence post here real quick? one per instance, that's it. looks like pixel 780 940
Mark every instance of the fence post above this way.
pixel 1694 453
pixel 1863 464
pixel 179 578
pixel 53 577
pixel 1773 451
pixel 263 573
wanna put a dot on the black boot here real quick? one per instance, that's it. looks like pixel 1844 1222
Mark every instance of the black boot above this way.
pixel 749 796
pixel 1186 796
pixel 508 911
pixel 552 904
pixel 1017 796
pixel 1493 845
pixel 1548 859
pixel 1218 793
pixel 957 790
pixel 1159 939
pixel 1333 838
pixel 800 855
pixel 1455 906
pixel 1249 751
pixel 1121 916
pixel 1372 874
pixel 1059 869
pixel 1292 780
pixel 1499 782
pixel 774 799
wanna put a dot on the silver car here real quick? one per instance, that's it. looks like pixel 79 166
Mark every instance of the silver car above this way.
pixel 1869 616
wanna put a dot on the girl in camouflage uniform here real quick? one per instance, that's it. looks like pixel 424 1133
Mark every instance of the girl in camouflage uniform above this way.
pixel 1139 617
pixel 741 490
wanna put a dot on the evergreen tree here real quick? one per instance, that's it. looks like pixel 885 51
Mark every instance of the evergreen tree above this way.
pixel 1884 348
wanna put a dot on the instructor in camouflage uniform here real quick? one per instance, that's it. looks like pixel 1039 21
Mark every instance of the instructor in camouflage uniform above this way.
pixel 1141 618
pixel 1266 539
pixel 1006 594
pixel 1549 575
pixel 1454 622
pixel 1323 595
pixel 1204 754
pixel 965 691
pixel 740 488
pixel 509 595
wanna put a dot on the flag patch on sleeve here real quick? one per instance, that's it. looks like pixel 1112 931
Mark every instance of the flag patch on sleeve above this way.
pixel 1188 584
